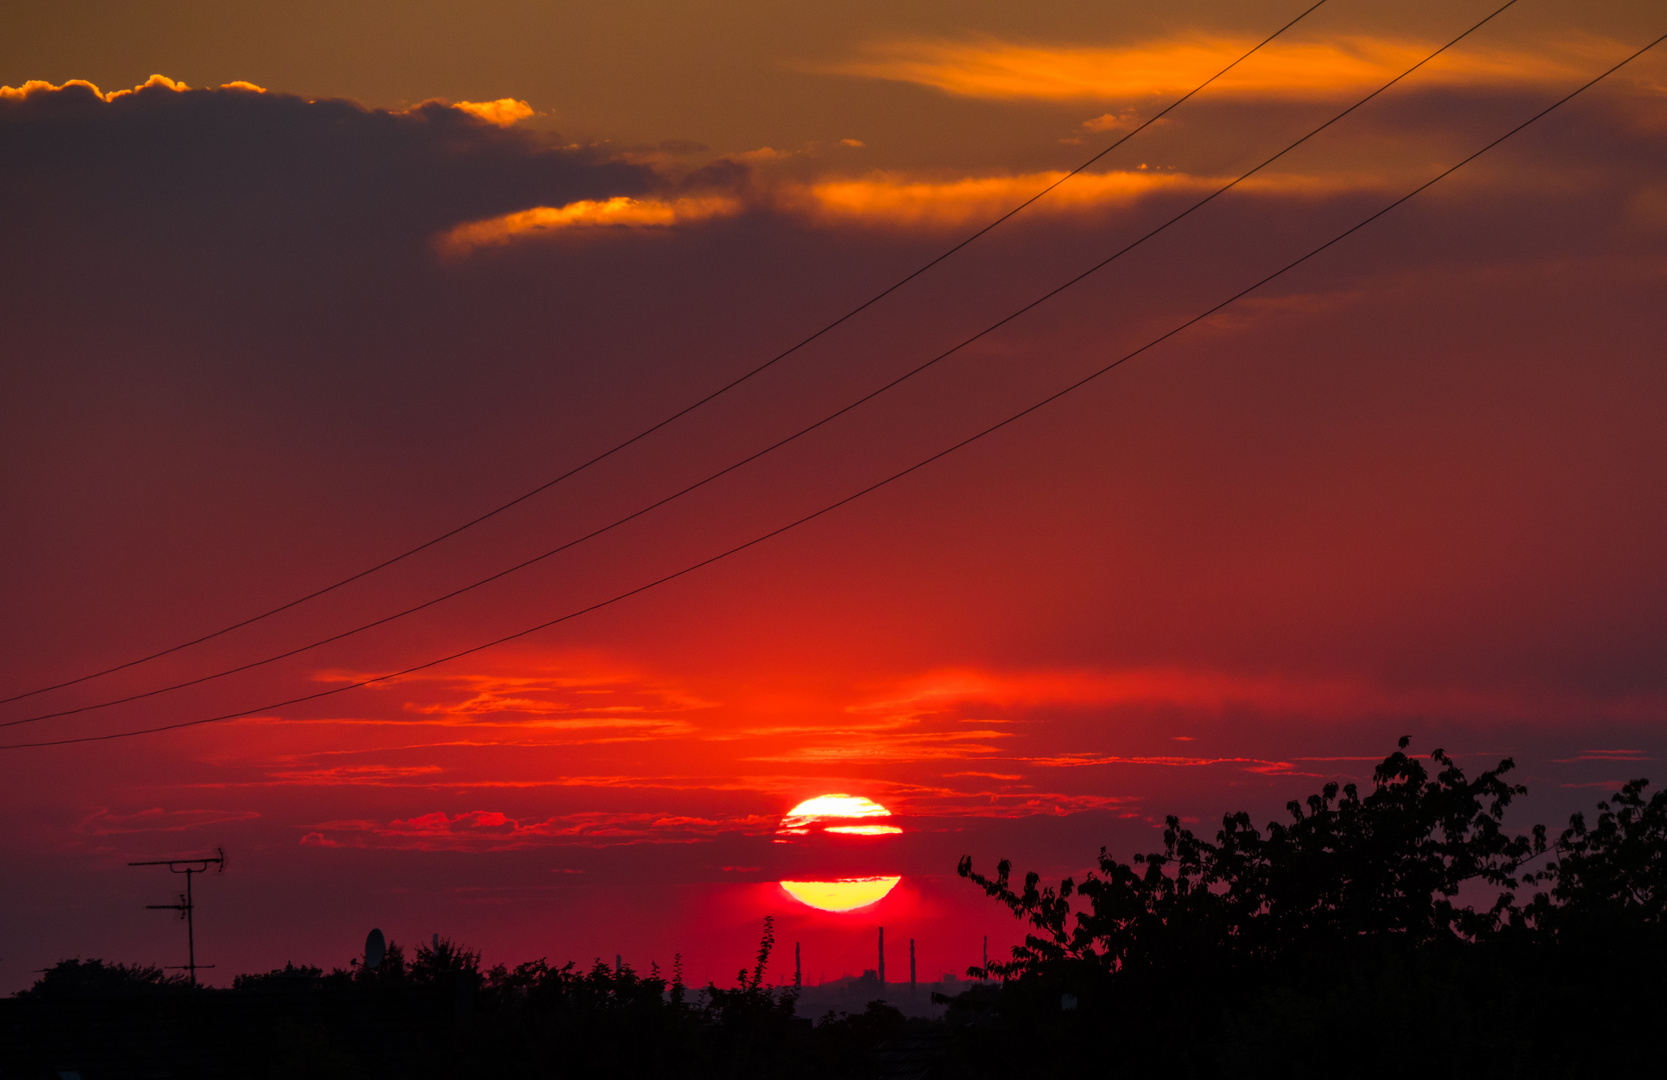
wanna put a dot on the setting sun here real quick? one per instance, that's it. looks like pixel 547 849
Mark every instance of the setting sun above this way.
pixel 839 815
pixel 847 894
pixel 829 812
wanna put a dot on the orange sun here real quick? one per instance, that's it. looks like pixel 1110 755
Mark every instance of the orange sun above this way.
pixel 839 809
pixel 838 815
pixel 846 894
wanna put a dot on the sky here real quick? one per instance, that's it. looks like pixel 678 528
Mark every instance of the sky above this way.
pixel 292 289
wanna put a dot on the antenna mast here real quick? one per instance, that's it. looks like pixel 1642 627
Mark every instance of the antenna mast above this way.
pixel 186 905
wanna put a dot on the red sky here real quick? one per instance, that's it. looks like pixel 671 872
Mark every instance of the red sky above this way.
pixel 257 340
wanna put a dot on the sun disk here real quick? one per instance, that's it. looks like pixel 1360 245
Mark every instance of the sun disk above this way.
pixel 846 894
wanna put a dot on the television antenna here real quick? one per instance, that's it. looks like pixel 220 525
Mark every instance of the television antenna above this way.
pixel 186 905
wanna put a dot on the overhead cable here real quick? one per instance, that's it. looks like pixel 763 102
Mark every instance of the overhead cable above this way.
pixel 893 478
pixel 778 444
pixel 680 413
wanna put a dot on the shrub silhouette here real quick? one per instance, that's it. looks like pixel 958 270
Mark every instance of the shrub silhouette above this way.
pixel 288 977
pixel 86 978
pixel 445 963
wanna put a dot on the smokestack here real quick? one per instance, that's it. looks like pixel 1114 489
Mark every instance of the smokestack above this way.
pixel 798 970
pixel 986 956
pixel 911 965
pixel 882 967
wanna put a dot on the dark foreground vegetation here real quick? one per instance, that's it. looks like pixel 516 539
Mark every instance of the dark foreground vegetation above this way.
pixel 1398 933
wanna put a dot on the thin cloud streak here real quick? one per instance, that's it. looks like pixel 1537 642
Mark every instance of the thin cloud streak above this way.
pixel 892 200
pixel 900 200
pixel 1287 70
pixel 1258 765
pixel 492 830
pixel 105 822
pixel 1214 692
pixel 620 213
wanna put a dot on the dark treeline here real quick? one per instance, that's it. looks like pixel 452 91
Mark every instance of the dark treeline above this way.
pixel 436 1014
pixel 1336 943
pixel 1399 932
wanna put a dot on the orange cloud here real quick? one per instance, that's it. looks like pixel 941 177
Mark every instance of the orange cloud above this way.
pixel 503 112
pixel 618 212
pixel 1115 121
pixel 990 68
pixel 895 199
pixel 892 199
pixel 889 199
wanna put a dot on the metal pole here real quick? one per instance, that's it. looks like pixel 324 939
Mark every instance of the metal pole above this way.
pixel 882 969
pixel 190 929
pixel 187 903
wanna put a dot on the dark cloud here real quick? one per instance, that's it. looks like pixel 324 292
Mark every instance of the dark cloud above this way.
pixel 208 173
pixel 233 331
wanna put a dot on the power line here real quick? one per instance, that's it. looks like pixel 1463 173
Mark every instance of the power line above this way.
pixel 686 410
pixel 893 478
pixel 795 436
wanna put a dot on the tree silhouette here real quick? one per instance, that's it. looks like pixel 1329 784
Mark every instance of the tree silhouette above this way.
pixel 1346 866
pixel 85 978
pixel 1613 873
pixel 1319 944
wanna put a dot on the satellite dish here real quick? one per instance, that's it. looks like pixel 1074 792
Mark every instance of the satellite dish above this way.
pixel 376 947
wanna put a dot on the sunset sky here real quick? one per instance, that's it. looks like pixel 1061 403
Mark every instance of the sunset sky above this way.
pixel 289 289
